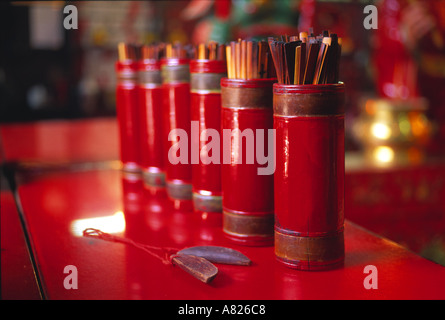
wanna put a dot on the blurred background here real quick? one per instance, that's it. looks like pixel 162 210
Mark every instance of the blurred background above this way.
pixel 47 71
pixel 395 79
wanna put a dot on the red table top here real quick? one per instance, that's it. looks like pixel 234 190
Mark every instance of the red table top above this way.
pixel 57 205
pixel 17 276
pixel 61 141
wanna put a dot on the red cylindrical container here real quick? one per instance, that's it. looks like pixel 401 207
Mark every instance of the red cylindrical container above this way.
pixel 248 206
pixel 151 123
pixel 206 145
pixel 176 89
pixel 309 175
pixel 128 114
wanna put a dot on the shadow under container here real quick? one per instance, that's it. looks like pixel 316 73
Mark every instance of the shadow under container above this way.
pixel 175 73
pixel 309 175
pixel 151 124
pixel 248 204
pixel 127 104
pixel 205 94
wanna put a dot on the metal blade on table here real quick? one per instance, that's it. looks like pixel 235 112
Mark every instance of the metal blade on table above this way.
pixel 198 267
pixel 218 255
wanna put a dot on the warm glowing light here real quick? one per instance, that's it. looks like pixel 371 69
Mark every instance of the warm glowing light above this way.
pixel 381 131
pixel 109 224
pixel 404 126
pixel 384 154
pixel 419 125
pixel 369 107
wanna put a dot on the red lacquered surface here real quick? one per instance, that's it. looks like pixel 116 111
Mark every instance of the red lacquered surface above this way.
pixel 206 111
pixel 152 154
pixel 310 174
pixel 151 121
pixel 128 114
pixel 177 116
pixel 17 274
pixel 206 114
pixel 61 141
pixel 176 86
pixel 55 204
pixel 208 66
pixel 403 203
pixel 244 189
pixel 248 203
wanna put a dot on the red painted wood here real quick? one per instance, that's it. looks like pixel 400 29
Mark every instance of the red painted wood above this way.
pixel 206 110
pixel 128 115
pixel 61 140
pixel 208 66
pixel 246 190
pixel 253 83
pixel 54 203
pixel 177 116
pixel 17 275
pixel 108 270
pixel 152 142
pixel 403 203
pixel 309 174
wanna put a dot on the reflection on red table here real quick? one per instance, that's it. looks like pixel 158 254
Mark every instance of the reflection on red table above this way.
pixel 17 277
pixel 58 207
pixel 61 141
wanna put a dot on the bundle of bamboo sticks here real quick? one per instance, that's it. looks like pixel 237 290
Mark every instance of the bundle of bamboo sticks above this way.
pixel 130 51
pixel 179 51
pixel 154 51
pixel 248 59
pixel 306 59
pixel 127 51
pixel 302 59
pixel 210 51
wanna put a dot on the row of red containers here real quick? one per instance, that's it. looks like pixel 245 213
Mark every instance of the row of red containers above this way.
pixel 173 117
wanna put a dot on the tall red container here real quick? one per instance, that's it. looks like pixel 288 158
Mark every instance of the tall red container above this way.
pixel 205 91
pixel 128 114
pixel 248 204
pixel 309 175
pixel 151 123
pixel 175 74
